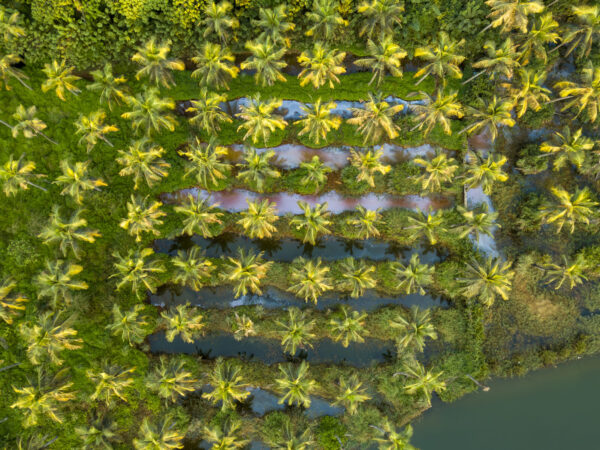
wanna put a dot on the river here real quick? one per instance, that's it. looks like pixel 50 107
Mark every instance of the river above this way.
pixel 549 409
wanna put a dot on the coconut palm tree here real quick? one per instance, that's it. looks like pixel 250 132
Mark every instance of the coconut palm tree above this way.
pixel 149 112
pixel 274 25
pixel 365 222
pixel 259 218
pixel 443 59
pixel 308 279
pixel 200 217
pixel 583 96
pixel 267 60
pixel 155 62
pixel 246 272
pixel 216 20
pixel 313 222
pixel 530 91
pixel 49 336
pixel 226 435
pixel 376 119
pixel 380 17
pixel 242 326
pixel 205 162
pixel 291 439
pixel 256 169
pixel 130 326
pixel 321 66
pixel 10 27
pixel 294 385
pixel 158 436
pixel 110 383
pixel 228 385
pixel 92 128
pixel 489 115
pixel 512 14
pixel 209 114
pixel 414 276
pixel 500 62
pixel 76 181
pixel 170 380
pixel 356 276
pixel 60 79
pixel 28 124
pixel 109 86
pixel 352 393
pixel 143 160
pixel 10 305
pixel 568 148
pixel 318 121
pixel 574 272
pixel 544 31
pixel 586 30
pixel 136 271
pixel 438 171
pixel 487 281
pixel 415 327
pixel 7 71
pixel 477 222
pixel 438 111
pixel 183 321
pixel 295 331
pixel 326 20
pixel 142 217
pixel 56 282
pixel 486 172
pixel 67 233
pixel 16 175
pixel 384 56
pixel 392 438
pixel 100 432
pixel 348 327
pixel 430 226
pixel 259 121
pixel 191 268
pixel 569 209
pixel 422 381
pixel 215 66
pixel 315 173
pixel 368 163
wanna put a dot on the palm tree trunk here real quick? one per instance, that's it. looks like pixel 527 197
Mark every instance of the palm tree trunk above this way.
pixel 4 123
pixel 36 186
pixel 486 28
pixel 23 83
pixel 47 444
pixel 465 201
pixel 548 6
pixel 559 99
pixel 473 77
pixel 415 127
pixel 106 140
pixel 482 386
pixel 9 367
pixel 41 133
pixel 422 78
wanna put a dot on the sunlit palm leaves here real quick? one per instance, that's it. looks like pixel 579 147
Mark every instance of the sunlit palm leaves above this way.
pixel 376 119
pixel 28 124
pixel 585 95
pixel 318 121
pixel 110 383
pixel 246 272
pixel 259 121
pixel 11 306
pixel 258 219
pixel 392 438
pixel 368 163
pixel 156 65
pixel 76 181
pixel 348 326
pixel 569 209
pixel 170 380
pixel 320 66
pixel 215 66
pixel 365 222
pixel 57 281
pixel 294 385
pixel 7 71
pixel 485 173
pixel 228 385
pixel 226 435
pixel 313 222
pixel 477 222
pixel 380 17
pixel 501 61
pixel 291 439
pixel 130 326
pixel 109 86
pixel 158 436
pixel 296 331
pixel 586 29
pixel 60 79
pixel 315 173
pixel 544 31
pixel 438 171
pixel 92 128
pixel 385 56
pixel 10 24
pixel 208 113
pixel 442 59
pixel 489 116
pixel 568 148
pixel 205 162
pixel 267 60
pixel 414 276
pixel 199 216
pixel 352 393
pixel 15 175
pixel 356 276
pixel 415 327
pixel 421 381
pixel 512 14
pixel 101 432
pixel 438 111
pixel 488 281
pixel 142 217
pixel 217 20
pixel 325 19
pixel 143 160
pixel 242 326
pixel 191 268
pixel 149 112
pixel 136 271
pixel 427 225
pixel 309 279
pixel 183 321
pixel 274 25
pixel 529 92
pixel 256 169
pixel 67 233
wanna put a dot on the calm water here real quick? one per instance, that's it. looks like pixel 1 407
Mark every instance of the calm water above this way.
pixel 550 409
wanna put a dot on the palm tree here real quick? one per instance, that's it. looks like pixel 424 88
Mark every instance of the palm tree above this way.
pixel 352 393
pixel 500 61
pixel 258 219
pixel 108 86
pixel 149 112
pixel 315 173
pixel 587 29
pixel 274 25
pixel 9 24
pixel 10 306
pixel 159 436
pixel 313 222
pixel 368 163
pixel 485 173
pixel 267 60
pixel 67 233
pixel 430 226
pixel 365 222
pixel 512 14
pixel 569 148
pixel 320 66
pixel 15 175
pixel 134 270
pixel 309 279
pixel 183 321
pixel 348 327
pixel 7 70
pixel 242 327
pixel 226 435
pixel 208 111
pixel 414 276
pixel 438 171
pixel 423 381
pixel 325 19
pixel 477 222
pixel 530 92
pixel 296 331
pixel 92 128
pixel 443 59
pixel 143 160
pixel 356 276
pixel 215 66
pixel 75 180
pixel 256 169
pixel 489 116
pixel 205 162
pixel 575 272
pixel 376 119
pixel 380 17
pixel 142 217
pixel 28 124
pixel 246 272
pixel 584 96
pixel 294 385
pixel 49 336
pixel 385 56
pixel 110 382
pixel 56 282
pixel 191 268
pixel 542 32
pixel 393 438
pixel 415 327
pixel 129 326
pixel 60 78
pixel 228 385
pixel 292 440
pixel 155 63
pixel 170 380
pixel 100 432
pixel 438 111
pixel 199 216
pixel 488 281
pixel 259 121
pixel 569 209
pixel 318 121
pixel 216 20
